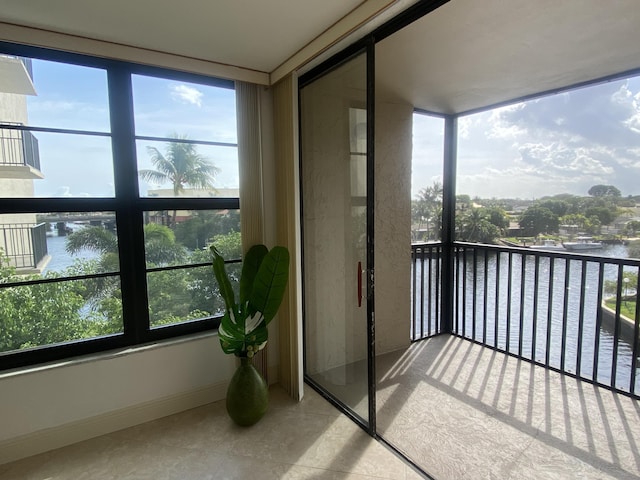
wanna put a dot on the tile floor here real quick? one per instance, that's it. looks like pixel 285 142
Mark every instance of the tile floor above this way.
pixel 462 411
pixel 459 410
pixel 306 440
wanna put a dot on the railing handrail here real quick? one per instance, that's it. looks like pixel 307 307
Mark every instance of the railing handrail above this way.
pixel 25 244
pixel 537 252
pixel 21 225
pixel 529 302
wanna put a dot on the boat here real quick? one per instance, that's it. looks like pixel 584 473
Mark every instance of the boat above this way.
pixel 582 243
pixel 549 244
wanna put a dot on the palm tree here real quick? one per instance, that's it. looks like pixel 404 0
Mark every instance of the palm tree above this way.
pixel 160 246
pixel 429 201
pixel 182 166
pixel 99 240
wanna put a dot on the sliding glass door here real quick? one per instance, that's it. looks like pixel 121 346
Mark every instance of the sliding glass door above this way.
pixel 336 222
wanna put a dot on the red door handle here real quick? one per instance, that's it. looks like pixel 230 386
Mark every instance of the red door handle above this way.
pixel 359 284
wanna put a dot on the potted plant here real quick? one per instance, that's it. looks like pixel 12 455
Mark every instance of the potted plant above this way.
pixel 243 329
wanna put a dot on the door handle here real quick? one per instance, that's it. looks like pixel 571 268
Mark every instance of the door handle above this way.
pixel 359 284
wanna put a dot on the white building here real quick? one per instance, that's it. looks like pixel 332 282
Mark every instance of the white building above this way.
pixel 21 239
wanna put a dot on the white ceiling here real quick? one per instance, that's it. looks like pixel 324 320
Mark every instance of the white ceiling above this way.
pixel 465 55
pixel 469 53
pixel 254 34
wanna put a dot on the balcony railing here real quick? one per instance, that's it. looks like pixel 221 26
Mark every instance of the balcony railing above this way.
pixel 19 147
pixel 25 245
pixel 567 312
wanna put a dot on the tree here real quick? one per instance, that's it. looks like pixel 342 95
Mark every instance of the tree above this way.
pixel 182 166
pixel 632 227
pixel 604 191
pixel 558 207
pixel 160 246
pixel 199 230
pixel 585 224
pixel 174 295
pixel 35 314
pixel 99 240
pixel 204 295
pixel 463 202
pixel 536 219
pixel 604 214
pixel 474 226
pixel 497 216
pixel 426 209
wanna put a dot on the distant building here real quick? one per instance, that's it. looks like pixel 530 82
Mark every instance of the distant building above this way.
pixel 162 217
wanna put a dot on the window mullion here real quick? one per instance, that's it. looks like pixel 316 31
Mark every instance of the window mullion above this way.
pixel 128 211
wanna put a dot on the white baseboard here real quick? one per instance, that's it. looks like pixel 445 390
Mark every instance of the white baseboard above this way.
pixel 77 431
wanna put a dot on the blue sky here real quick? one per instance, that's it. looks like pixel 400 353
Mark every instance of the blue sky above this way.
pixel 75 98
pixel 563 143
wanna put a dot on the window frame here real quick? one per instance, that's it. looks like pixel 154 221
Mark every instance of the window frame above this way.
pixel 127 204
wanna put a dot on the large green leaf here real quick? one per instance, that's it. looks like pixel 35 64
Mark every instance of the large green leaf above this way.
pixel 231 333
pixel 250 265
pixel 224 285
pixel 243 329
pixel 270 283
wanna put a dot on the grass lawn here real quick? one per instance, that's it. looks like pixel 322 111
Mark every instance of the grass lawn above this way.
pixel 627 307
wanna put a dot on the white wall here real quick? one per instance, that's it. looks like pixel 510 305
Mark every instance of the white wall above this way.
pixel 50 406
pixel 392 210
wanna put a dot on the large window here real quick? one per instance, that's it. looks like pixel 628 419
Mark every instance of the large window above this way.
pixel 114 181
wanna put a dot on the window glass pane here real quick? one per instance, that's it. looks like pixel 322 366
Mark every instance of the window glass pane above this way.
pixel 191 170
pixel 44 314
pixel 201 112
pixel 426 178
pixel 563 167
pixel 50 246
pixel 58 244
pixel 183 237
pixel 53 95
pixel 54 165
pixel 186 294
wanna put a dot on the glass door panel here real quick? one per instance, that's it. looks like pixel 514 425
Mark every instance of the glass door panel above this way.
pixel 334 204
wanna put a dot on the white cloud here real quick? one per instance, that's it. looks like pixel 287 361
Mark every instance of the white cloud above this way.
pixel 499 127
pixel 187 94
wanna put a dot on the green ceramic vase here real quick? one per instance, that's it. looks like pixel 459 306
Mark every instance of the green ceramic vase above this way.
pixel 247 395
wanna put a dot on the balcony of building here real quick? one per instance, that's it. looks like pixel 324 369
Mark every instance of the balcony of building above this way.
pixel 535 377
pixel 19 155
pixel 17 75
pixel 24 247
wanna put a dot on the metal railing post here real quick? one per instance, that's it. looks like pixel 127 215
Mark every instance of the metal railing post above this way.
pixel 448 221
